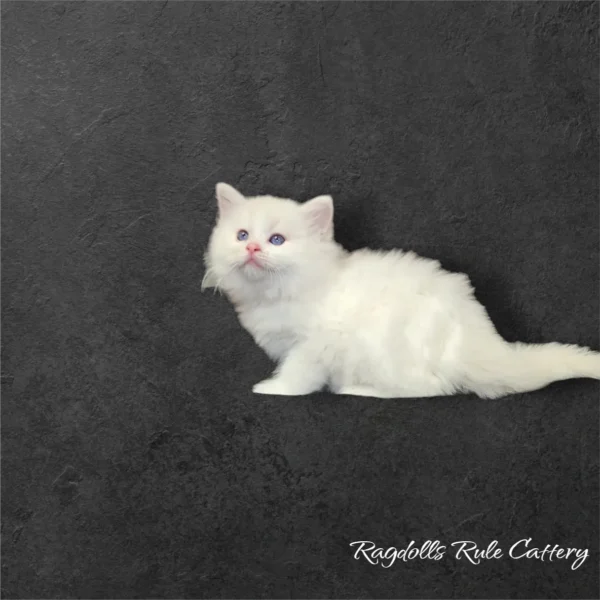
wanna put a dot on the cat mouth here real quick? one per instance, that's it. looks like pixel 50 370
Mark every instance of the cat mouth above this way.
pixel 252 262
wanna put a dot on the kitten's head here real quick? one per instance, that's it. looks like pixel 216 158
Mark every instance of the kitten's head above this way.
pixel 265 241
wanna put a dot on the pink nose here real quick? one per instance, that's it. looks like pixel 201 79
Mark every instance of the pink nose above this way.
pixel 253 247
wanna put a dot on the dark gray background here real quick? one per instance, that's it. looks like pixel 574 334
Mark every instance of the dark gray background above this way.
pixel 136 461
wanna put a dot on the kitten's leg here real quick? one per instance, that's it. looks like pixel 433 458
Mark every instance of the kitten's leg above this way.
pixel 297 375
pixel 364 390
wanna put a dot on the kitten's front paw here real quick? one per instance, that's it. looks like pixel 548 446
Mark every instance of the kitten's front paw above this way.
pixel 273 387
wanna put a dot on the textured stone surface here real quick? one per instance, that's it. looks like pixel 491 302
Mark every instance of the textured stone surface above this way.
pixel 136 463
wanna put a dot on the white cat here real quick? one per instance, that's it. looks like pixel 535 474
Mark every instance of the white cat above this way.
pixel 367 323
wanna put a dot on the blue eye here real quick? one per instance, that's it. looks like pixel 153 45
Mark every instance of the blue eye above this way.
pixel 277 239
pixel 242 235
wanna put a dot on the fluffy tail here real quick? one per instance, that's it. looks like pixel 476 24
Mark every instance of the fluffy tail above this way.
pixel 517 367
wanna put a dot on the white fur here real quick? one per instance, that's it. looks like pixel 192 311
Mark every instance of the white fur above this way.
pixel 386 324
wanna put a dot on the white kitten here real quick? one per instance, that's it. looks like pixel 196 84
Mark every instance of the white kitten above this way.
pixel 386 324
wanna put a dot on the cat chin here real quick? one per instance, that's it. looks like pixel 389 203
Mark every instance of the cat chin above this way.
pixel 252 268
pixel 251 273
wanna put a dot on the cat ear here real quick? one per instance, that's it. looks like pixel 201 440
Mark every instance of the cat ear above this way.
pixel 320 215
pixel 227 198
